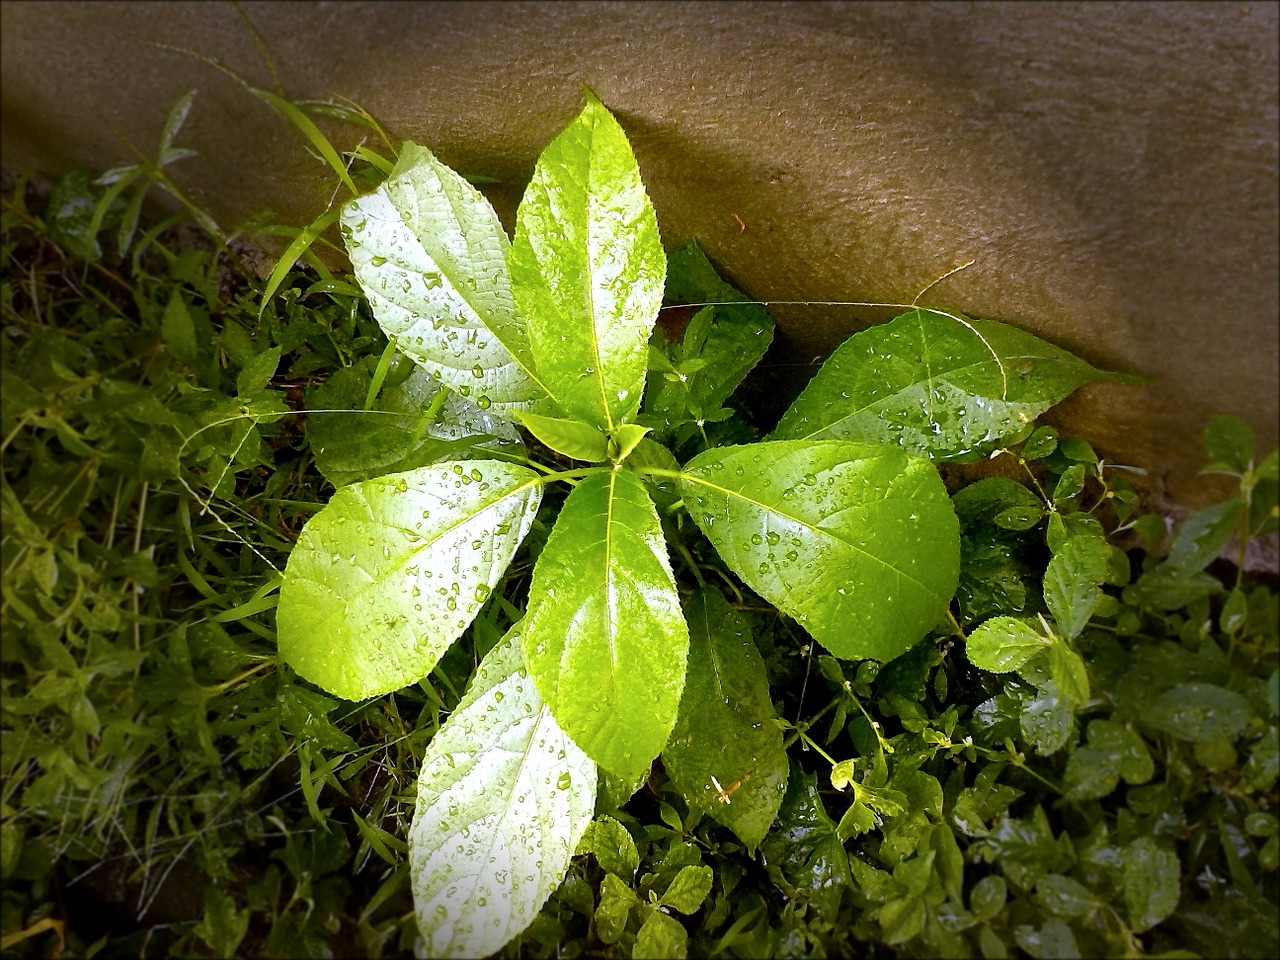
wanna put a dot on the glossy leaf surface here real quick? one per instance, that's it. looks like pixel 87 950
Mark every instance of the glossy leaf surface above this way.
pixel 504 797
pixel 1071 581
pixel 1003 644
pixel 387 576
pixel 726 729
pixel 934 384
pixel 431 256
pixel 587 268
pixel 857 542
pixel 606 641
pixel 573 438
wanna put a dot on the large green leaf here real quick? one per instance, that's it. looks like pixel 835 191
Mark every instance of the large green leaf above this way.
pixel 726 732
pixel 504 797
pixel 413 423
pixel 935 384
pixel 431 256
pixel 858 542
pixel 606 641
pixel 587 268
pixel 391 571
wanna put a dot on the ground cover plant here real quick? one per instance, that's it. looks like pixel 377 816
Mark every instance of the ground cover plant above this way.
pixel 347 651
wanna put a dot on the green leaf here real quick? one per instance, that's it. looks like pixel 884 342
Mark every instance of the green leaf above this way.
pixel 1229 442
pixel 1042 442
pixel 431 256
pixel 223 926
pixel 606 641
pixel 612 845
pixel 614 908
pixel 1003 644
pixel 625 439
pixel 988 897
pixel 573 438
pixel 179 331
pixel 987 498
pixel 727 339
pixel 1054 940
pixel 661 938
pixel 412 424
pixel 688 889
pixel 936 384
pixel 1114 750
pixel 1152 883
pixel 1199 712
pixel 1045 718
pixel 1071 581
pixel 804 854
pixel 857 542
pixel 726 728
pixel 504 798
pixel 1065 897
pixel 391 571
pixel 587 269
pixel 1068 672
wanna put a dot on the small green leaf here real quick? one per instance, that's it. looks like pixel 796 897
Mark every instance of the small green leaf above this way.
pixel 625 439
pixel 988 897
pixel 1152 883
pixel 431 256
pixel 688 889
pixel 726 732
pixel 1003 644
pixel 179 331
pixel 1045 719
pixel 1199 712
pixel 937 384
pixel 1229 442
pixel 1065 897
pixel 857 542
pixel 385 578
pixel 222 927
pixel 573 438
pixel 614 908
pixel 720 345
pixel 1068 672
pixel 1069 484
pixel 1042 442
pixel 1054 940
pixel 661 938
pixel 504 798
pixel 587 270
pixel 256 374
pixel 604 617
pixel 1020 517
pixel 1071 581
pixel 612 845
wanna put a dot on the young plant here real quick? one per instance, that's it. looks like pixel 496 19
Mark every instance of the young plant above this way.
pixel 838 519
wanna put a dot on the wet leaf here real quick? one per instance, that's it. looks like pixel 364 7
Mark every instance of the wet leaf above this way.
pixel 1199 712
pixel 661 938
pixel 935 384
pixel 1003 644
pixel 573 438
pixel 1152 884
pixel 387 576
pixel 587 270
pixel 605 618
pixel 431 256
pixel 688 889
pixel 803 853
pixel 855 541
pixel 504 797
pixel 726 728
pixel 612 845
pixel 1071 581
